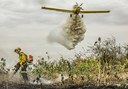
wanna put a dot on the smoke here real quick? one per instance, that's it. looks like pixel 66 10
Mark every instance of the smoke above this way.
pixel 71 34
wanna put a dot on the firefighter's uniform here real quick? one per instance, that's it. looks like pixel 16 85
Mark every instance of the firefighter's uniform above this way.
pixel 22 63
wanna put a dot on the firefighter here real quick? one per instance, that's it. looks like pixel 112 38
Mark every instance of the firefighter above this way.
pixel 21 64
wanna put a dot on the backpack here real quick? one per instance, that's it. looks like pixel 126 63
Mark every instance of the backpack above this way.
pixel 30 59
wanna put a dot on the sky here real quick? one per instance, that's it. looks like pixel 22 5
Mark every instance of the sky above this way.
pixel 24 24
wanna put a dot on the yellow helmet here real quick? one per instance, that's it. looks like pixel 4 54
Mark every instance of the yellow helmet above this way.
pixel 17 50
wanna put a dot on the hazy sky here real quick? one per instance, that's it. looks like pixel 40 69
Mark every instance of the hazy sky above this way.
pixel 23 24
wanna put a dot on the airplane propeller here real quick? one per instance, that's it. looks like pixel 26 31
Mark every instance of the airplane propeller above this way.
pixel 80 5
pixel 76 3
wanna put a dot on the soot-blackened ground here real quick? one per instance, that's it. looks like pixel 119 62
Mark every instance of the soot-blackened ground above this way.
pixel 31 86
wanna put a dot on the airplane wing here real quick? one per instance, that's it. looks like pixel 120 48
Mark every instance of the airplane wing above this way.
pixel 94 11
pixel 57 9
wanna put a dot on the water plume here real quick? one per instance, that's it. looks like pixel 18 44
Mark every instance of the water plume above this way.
pixel 71 34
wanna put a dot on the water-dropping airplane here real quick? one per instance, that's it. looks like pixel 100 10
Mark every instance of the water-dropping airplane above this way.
pixel 77 9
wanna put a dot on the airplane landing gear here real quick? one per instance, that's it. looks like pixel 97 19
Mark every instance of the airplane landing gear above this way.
pixel 70 15
pixel 82 16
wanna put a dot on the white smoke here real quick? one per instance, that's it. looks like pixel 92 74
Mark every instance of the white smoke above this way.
pixel 71 34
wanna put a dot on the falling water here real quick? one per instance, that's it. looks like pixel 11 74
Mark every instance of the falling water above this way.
pixel 71 34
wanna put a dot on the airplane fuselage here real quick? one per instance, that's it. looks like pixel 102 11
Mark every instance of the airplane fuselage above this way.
pixel 76 9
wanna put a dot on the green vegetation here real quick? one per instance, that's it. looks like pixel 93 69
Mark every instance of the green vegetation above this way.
pixel 105 62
